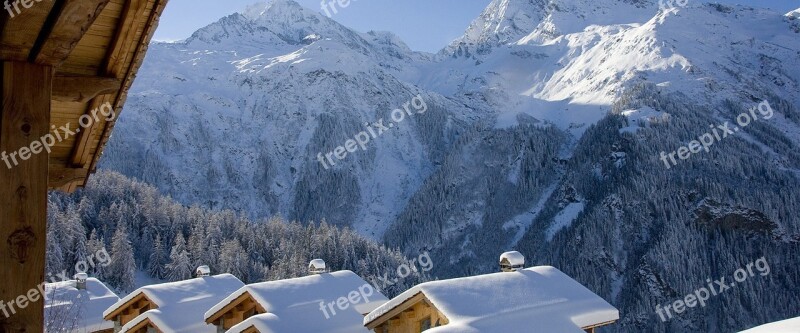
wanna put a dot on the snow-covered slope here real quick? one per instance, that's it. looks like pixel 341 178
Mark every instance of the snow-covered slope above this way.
pixel 531 138
pixel 249 102
pixel 506 22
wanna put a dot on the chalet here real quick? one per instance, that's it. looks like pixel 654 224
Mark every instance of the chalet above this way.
pixel 172 307
pixel 59 61
pixel 321 302
pixel 785 326
pixel 536 299
pixel 77 305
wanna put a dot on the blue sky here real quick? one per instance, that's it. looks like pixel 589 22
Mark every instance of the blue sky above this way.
pixel 429 29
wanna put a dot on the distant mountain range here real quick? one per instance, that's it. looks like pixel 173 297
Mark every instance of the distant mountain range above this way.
pixel 544 132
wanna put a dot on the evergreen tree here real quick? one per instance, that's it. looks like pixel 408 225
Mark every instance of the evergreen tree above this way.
pixel 234 260
pixel 180 264
pixel 158 259
pixel 96 245
pixel 122 270
pixel 55 257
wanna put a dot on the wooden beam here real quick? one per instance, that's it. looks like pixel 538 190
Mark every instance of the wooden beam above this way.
pixel 24 118
pixel 125 308
pixel 19 33
pixel 123 43
pixel 68 23
pixel 81 152
pixel 136 62
pixel 230 307
pixel 62 176
pixel 82 89
pixel 124 40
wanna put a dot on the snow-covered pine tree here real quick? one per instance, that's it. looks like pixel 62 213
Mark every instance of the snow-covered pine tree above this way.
pixel 180 264
pixel 122 270
pixel 55 257
pixel 233 259
pixel 158 259
pixel 95 245
pixel 273 248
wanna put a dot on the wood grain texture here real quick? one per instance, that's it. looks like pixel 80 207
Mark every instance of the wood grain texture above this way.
pixel 24 118
pixel 61 176
pixel 82 89
pixel 150 26
pixel 19 33
pixel 70 21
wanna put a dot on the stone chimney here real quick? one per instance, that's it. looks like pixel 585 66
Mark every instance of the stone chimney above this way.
pixel 512 261
pixel 202 271
pixel 80 281
pixel 317 266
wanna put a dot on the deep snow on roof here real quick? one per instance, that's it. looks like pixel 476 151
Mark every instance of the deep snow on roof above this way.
pixel 514 258
pixel 785 326
pixel 63 301
pixel 181 304
pixel 539 297
pixel 303 318
pixel 296 303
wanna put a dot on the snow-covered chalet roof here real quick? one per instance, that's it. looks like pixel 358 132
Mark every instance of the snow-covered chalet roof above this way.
pixel 785 326
pixel 543 298
pixel 182 303
pixel 296 302
pixel 303 319
pixel 63 301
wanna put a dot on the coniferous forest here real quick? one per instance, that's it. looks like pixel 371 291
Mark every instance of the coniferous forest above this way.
pixel 146 232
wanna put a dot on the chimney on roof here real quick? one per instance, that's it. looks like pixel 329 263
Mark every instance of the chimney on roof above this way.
pixel 511 261
pixel 317 266
pixel 80 281
pixel 203 271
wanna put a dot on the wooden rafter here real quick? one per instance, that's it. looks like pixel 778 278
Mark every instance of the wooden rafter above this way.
pixel 18 34
pixel 144 325
pixel 141 50
pixel 68 23
pixel 82 88
pixel 406 307
pixel 112 65
pixel 137 302
pixel 62 176
pixel 244 298
pixel 123 41
pixel 122 46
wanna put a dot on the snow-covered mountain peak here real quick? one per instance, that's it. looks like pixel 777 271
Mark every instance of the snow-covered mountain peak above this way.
pixel 505 22
pixel 282 12
pixel 278 22
pixel 274 7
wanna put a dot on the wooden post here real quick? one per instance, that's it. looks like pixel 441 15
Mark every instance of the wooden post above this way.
pixel 24 119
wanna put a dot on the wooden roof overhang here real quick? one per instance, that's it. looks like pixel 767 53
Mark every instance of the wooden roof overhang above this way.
pixel 144 325
pixel 243 303
pixel 400 308
pixel 135 304
pixel 95 48
pixel 59 61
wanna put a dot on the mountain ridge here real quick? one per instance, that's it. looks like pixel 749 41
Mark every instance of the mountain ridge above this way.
pixel 531 141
